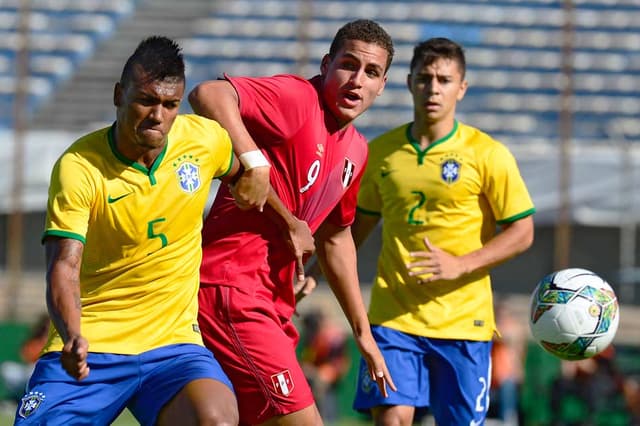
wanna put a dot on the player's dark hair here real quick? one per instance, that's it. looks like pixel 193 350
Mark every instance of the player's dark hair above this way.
pixel 363 30
pixel 160 58
pixel 427 52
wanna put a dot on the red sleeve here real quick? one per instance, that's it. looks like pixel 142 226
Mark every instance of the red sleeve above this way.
pixel 274 108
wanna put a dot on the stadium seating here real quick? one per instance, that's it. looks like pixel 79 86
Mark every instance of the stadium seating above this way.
pixel 61 34
pixel 514 48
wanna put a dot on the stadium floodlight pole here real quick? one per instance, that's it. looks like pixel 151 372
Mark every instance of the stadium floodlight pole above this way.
pixel 16 214
pixel 305 15
pixel 627 220
pixel 562 246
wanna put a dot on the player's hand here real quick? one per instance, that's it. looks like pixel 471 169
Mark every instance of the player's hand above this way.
pixel 303 288
pixel 375 363
pixel 74 357
pixel 436 264
pixel 301 243
pixel 251 189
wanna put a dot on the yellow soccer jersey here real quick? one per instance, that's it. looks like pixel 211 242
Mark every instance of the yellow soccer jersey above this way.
pixel 141 233
pixel 454 192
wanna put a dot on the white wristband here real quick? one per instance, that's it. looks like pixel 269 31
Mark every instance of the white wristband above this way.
pixel 253 159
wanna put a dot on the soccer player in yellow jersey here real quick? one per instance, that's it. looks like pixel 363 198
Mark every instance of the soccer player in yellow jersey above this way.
pixel 441 188
pixel 122 240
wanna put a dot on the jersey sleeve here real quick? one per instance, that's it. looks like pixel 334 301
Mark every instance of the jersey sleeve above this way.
pixel 369 201
pixel 274 108
pixel 70 200
pixel 223 149
pixel 504 187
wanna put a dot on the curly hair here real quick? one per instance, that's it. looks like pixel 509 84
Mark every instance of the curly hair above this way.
pixel 364 30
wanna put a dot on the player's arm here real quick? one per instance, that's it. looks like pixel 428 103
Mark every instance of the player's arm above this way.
pixel 296 231
pixel 362 227
pixel 360 231
pixel 337 256
pixel 514 238
pixel 218 100
pixel 64 258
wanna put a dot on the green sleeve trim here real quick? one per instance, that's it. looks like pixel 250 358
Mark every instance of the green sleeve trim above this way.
pixel 367 212
pixel 517 217
pixel 63 234
pixel 228 167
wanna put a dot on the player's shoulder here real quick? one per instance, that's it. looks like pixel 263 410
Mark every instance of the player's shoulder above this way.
pixel 389 141
pixel 196 127
pixel 87 146
pixel 480 140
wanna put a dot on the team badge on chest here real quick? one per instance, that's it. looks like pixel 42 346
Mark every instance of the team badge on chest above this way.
pixel 188 177
pixel 347 172
pixel 450 169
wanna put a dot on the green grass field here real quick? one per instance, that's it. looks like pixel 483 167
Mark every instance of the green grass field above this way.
pixel 126 419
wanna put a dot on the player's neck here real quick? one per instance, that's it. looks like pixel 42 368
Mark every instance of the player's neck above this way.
pixel 426 132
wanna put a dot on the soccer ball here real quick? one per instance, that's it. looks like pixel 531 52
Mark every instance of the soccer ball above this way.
pixel 574 314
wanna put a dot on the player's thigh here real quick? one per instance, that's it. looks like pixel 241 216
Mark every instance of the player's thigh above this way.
pixel 309 416
pixel 256 348
pixel 459 379
pixel 167 373
pixel 404 356
pixel 202 401
pixel 55 398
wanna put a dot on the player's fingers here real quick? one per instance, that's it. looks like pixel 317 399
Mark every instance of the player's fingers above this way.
pixel 427 244
pixel 300 268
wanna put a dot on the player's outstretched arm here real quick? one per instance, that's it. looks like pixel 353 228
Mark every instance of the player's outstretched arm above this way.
pixel 337 256
pixel 64 257
pixel 218 100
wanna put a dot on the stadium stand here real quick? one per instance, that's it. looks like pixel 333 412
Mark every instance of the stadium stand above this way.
pixel 60 36
pixel 514 50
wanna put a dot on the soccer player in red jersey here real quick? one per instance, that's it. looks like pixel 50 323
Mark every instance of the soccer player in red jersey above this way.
pixel 303 127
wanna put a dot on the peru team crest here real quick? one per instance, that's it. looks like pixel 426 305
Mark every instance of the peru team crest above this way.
pixel 283 382
pixel 347 172
pixel 30 403
pixel 189 177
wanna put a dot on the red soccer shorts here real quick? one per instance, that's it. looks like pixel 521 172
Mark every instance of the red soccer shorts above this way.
pixel 256 348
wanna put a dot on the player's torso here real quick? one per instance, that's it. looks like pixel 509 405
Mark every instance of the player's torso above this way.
pixel 315 168
pixel 435 190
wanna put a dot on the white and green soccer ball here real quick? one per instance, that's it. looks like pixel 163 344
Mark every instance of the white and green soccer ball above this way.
pixel 574 314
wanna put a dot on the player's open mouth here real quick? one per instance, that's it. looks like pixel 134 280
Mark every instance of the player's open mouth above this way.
pixel 351 98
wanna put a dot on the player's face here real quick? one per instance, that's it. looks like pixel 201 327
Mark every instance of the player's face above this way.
pixel 146 110
pixel 436 89
pixel 353 79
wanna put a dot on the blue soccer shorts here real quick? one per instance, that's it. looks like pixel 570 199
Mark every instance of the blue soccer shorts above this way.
pixel 143 383
pixel 451 377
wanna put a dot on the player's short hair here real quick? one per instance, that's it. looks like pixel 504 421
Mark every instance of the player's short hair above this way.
pixel 364 30
pixel 427 52
pixel 160 58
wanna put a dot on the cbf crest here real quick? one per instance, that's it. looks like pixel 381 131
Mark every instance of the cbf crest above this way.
pixel 188 174
pixel 30 403
pixel 450 168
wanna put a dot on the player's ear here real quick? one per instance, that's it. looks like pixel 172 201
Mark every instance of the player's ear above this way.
pixel 324 65
pixel 463 90
pixel 117 94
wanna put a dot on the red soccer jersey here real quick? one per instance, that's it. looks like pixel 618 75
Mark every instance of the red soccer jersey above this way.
pixel 316 171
